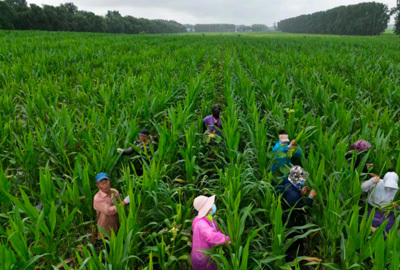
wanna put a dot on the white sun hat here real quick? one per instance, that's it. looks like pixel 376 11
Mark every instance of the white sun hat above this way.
pixel 203 204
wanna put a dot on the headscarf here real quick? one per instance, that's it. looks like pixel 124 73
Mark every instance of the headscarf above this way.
pixel 384 191
pixel 360 146
pixel 297 175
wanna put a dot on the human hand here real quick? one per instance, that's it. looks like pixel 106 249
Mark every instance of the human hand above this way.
pixel 120 150
pixel 312 193
pixel 127 200
pixel 292 143
pixel 395 205
pixel 373 174
pixel 377 179
pixel 370 164
pixel 304 190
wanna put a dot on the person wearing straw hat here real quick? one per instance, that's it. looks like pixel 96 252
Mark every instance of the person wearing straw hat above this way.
pixel 206 233
pixel 381 194
pixel 103 203
pixel 144 142
pixel 284 147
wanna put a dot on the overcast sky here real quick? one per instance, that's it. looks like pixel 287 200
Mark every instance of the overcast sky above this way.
pixel 210 11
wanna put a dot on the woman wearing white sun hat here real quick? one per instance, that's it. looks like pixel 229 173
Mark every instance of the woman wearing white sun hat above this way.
pixel 206 233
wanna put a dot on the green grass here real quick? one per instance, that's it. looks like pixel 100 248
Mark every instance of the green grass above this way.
pixel 68 100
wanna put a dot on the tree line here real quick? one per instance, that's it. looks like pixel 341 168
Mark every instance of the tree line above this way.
pixel 16 14
pixel 361 19
pixel 253 28
pixel 226 28
pixel 222 27
pixel 396 11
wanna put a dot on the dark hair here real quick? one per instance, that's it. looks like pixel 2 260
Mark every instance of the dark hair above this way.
pixel 282 131
pixel 144 132
pixel 391 169
pixel 214 108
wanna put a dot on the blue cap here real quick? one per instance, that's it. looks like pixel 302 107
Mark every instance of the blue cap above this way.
pixel 101 176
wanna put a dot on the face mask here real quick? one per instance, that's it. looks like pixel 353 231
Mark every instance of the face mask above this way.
pixel 214 209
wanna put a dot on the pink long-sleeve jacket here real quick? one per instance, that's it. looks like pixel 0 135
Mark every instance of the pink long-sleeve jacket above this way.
pixel 205 236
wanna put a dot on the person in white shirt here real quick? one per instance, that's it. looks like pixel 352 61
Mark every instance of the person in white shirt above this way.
pixel 381 193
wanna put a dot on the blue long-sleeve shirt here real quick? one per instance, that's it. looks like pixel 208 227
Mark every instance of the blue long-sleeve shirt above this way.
pixel 292 194
pixel 282 161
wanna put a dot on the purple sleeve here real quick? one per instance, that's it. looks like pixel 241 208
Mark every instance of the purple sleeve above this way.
pixel 206 121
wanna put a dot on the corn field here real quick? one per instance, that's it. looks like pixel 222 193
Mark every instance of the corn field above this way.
pixel 68 100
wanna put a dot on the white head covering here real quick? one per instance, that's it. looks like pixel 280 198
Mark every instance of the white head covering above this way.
pixel 383 193
pixel 297 175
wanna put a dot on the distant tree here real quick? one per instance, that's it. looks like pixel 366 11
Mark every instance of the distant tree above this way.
pixel 37 18
pixel 396 11
pixel 80 23
pixel 7 16
pixel 21 18
pixel 114 22
pixel 15 14
pixel 260 28
pixel 84 21
pixel 214 28
pixel 52 16
pixel 189 27
pixel 243 28
pixel 361 19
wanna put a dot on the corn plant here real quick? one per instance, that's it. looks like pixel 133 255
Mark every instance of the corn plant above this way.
pixel 69 100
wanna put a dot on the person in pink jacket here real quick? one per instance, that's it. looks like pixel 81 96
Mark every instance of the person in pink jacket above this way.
pixel 206 233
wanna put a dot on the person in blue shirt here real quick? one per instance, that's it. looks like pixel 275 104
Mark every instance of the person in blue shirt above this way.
pixel 294 196
pixel 293 189
pixel 287 149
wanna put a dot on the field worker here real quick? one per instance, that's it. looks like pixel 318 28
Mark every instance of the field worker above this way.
pixel 294 194
pixel 143 144
pixel 287 149
pixel 293 188
pixel 361 147
pixel 103 203
pixel 206 233
pixel 213 121
pixel 381 194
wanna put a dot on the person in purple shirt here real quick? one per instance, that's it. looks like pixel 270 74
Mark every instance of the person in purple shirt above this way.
pixel 213 121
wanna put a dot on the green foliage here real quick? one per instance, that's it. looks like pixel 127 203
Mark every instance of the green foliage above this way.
pixel 68 100
pixel 222 27
pixel 396 27
pixel 361 19
pixel 66 17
